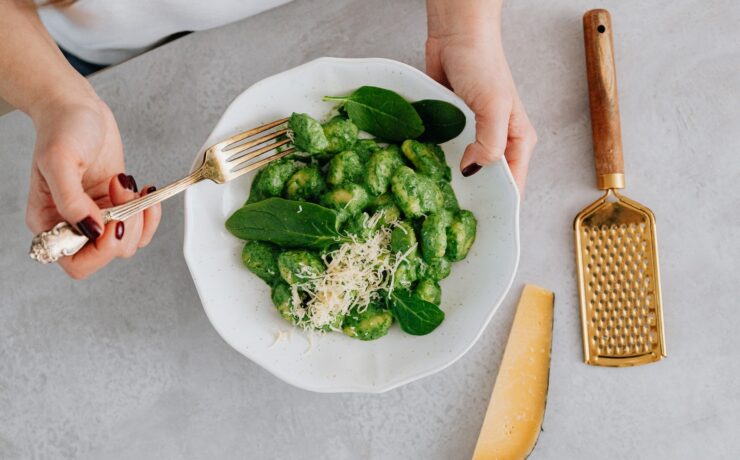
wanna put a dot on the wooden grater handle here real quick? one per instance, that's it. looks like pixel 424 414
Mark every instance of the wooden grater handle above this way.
pixel 602 95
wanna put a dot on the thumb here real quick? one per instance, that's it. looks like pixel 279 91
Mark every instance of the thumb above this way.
pixel 491 134
pixel 64 179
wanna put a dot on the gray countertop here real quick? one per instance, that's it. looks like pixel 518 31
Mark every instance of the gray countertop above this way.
pixel 126 365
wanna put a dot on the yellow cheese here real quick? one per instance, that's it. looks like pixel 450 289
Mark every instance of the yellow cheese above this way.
pixel 355 275
pixel 514 416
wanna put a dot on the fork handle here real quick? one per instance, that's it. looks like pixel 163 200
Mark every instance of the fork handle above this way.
pixel 602 93
pixel 64 240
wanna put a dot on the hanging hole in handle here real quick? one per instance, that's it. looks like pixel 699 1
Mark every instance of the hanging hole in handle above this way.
pixel 601 29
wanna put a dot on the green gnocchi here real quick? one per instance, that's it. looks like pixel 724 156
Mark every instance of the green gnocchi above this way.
pixel 366 188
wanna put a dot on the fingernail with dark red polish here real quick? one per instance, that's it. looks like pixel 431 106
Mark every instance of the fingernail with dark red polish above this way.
pixel 119 230
pixel 134 187
pixel 471 169
pixel 125 181
pixel 89 228
pixel 151 189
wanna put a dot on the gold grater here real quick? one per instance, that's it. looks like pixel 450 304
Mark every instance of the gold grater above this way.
pixel 616 242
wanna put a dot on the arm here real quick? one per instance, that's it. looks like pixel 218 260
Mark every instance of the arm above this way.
pixel 464 51
pixel 34 71
pixel 78 157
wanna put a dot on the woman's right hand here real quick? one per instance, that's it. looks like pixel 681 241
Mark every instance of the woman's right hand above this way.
pixel 78 158
pixel 77 170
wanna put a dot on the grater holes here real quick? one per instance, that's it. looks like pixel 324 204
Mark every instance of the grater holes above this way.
pixel 651 317
pixel 619 289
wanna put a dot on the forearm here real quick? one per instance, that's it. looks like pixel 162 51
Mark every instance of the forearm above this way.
pixel 33 72
pixel 452 18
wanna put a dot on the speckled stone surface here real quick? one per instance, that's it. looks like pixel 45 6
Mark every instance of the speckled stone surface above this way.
pixel 126 365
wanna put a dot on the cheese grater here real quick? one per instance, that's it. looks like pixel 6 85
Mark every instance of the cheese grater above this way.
pixel 616 243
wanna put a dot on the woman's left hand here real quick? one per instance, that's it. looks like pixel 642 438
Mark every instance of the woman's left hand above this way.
pixel 469 58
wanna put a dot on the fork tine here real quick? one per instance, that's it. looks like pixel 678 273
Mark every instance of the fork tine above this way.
pixel 245 134
pixel 261 163
pixel 234 151
pixel 255 153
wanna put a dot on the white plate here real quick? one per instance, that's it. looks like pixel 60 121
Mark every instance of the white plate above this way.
pixel 238 303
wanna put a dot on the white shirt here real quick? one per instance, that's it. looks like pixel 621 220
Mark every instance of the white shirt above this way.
pixel 110 31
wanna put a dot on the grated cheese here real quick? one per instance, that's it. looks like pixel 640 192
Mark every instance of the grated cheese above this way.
pixel 355 274
pixel 282 336
pixel 309 349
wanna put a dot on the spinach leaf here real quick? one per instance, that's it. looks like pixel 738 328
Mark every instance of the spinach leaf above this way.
pixel 414 315
pixel 442 121
pixel 294 224
pixel 382 113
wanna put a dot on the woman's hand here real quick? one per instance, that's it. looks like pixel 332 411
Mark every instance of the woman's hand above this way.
pixel 78 159
pixel 77 170
pixel 464 52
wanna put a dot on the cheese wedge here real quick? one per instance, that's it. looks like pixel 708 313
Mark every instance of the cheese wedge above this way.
pixel 514 416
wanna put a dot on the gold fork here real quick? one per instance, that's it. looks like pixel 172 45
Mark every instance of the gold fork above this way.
pixel 222 162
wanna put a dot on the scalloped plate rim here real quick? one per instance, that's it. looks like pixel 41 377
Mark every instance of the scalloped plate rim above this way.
pixel 390 384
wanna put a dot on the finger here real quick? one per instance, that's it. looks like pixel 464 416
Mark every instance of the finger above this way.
pixel 119 239
pixel 94 256
pixel 123 189
pixel 518 154
pixel 64 178
pixel 151 219
pixel 434 64
pixel 491 133
pixel 522 141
